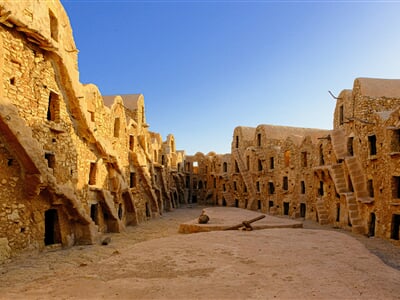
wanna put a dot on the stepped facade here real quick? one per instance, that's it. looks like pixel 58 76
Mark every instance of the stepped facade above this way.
pixel 348 177
pixel 74 164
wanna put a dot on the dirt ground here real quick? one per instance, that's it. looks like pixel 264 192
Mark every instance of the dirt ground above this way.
pixel 153 261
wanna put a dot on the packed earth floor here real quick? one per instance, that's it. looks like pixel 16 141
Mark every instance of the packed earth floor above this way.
pixel 153 261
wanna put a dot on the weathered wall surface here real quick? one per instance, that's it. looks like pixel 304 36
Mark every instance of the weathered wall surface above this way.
pixel 348 176
pixel 73 164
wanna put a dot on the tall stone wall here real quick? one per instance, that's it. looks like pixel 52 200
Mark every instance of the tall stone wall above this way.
pixel 74 166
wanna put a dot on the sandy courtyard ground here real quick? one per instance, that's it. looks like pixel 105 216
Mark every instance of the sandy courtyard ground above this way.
pixel 153 261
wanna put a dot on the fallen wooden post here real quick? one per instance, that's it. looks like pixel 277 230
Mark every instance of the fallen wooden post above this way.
pixel 246 224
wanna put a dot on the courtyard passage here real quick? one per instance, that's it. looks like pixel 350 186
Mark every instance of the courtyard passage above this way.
pixel 153 261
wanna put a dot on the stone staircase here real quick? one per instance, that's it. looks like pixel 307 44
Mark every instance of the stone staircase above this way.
pixel 358 179
pixel 228 197
pixel 164 189
pixel 356 222
pixel 322 212
pixel 147 186
pixel 338 177
pixel 339 143
pixel 248 181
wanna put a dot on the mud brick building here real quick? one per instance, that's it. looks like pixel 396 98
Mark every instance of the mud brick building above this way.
pixel 348 176
pixel 74 163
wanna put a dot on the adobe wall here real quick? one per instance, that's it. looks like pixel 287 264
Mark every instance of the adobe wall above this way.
pixel 73 167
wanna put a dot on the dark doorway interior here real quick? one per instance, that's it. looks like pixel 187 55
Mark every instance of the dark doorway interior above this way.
pixel 395 227
pixel 372 219
pixel 52 234
pixel 302 210
pixel 286 208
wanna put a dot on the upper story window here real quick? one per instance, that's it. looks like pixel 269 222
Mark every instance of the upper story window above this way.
pixel 304 159
pixel 53 110
pixel 372 144
pixel 53 26
pixel 225 167
pixel 259 139
pixel 341 115
pixel 237 141
pixel 395 141
pixel 271 163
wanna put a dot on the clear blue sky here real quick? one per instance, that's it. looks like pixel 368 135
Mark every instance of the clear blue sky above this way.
pixel 205 67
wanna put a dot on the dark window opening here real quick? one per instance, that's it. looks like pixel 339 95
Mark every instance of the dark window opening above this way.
pixel 52 233
pixel 372 144
pixel 303 187
pixel 321 188
pixel 194 199
pixel 201 185
pixel 163 162
pixel 396 187
pixel 12 80
pixel 259 139
pixel 371 227
pixel 225 167
pixel 285 184
pixel 248 162
pixel 53 110
pixel 395 227
pixel 215 183
pixel 337 212
pixel 92 174
pixel 236 203
pixel 51 160
pixel 286 208
pixel 187 181
pixel 223 202
pixel 224 187
pixel 302 210
pixel 270 204
pixel 237 141
pixel 235 185
pixel 370 185
pixel 244 189
pixel 258 186
pixel 304 159
pixel 395 141
pixel 271 163
pixel 271 188
pixel 350 142
pixel 120 211
pixel 341 115
pixel 258 204
pixel 260 166
pixel 148 213
pixel 10 162
pixel 94 213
